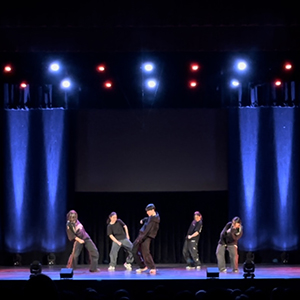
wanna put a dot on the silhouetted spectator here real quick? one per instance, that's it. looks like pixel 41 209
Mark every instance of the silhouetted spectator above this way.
pixel 118 294
pixel 184 295
pixel 39 287
pixel 235 293
pixel 277 293
pixel 201 295
pixel 219 293
pixel 90 294
pixel 68 295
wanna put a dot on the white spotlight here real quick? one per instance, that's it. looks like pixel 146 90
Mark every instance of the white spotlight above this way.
pixel 151 83
pixel 66 83
pixel 234 83
pixel 241 65
pixel 54 67
pixel 148 67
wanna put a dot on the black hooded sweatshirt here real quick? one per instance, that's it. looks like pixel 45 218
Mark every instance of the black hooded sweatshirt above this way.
pixel 231 237
pixel 150 227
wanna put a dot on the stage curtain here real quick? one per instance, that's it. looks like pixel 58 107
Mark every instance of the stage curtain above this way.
pixel 35 180
pixel 264 176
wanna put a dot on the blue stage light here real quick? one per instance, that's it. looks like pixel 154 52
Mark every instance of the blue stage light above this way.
pixel 151 83
pixel 234 83
pixel 285 237
pixel 241 65
pixel 53 131
pixel 248 127
pixel 54 67
pixel 148 67
pixel 66 83
pixel 16 183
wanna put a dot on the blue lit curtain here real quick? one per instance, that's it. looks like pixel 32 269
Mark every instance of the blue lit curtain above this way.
pixel 35 184
pixel 264 149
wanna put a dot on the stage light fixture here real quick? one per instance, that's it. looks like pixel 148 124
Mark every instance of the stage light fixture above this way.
pixel 17 259
pixel 101 68
pixel 54 67
pixel 151 83
pixel 108 84
pixel 51 259
pixel 65 84
pixel 234 83
pixel 249 266
pixel 148 67
pixel 195 67
pixel 241 65
pixel 35 268
pixel 23 85
pixel 66 273
pixel 278 83
pixel 7 69
pixel 288 66
pixel 193 84
pixel 284 257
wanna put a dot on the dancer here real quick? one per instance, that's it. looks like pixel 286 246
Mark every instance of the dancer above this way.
pixel 118 233
pixel 190 247
pixel 77 233
pixel 229 237
pixel 141 246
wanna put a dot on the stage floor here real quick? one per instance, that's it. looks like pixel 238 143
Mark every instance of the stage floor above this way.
pixel 164 272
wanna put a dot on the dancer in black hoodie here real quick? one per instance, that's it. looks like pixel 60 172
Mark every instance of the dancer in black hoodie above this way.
pixel 229 237
pixel 141 246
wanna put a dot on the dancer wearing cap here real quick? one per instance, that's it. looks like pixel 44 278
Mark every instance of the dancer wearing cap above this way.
pixel 229 237
pixel 141 246
pixel 190 247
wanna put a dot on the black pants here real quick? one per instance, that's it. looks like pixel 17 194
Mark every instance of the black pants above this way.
pixel 190 253
pixel 141 253
pixel 233 255
pixel 77 248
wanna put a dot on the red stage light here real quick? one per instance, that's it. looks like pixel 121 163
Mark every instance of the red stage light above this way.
pixel 193 84
pixel 7 69
pixel 23 85
pixel 288 66
pixel 278 82
pixel 101 68
pixel 195 67
pixel 108 84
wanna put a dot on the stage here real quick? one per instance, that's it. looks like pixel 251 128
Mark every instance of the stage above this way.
pixel 164 272
pixel 173 276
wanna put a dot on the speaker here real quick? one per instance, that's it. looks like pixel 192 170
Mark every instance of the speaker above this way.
pixel 66 273
pixel 212 272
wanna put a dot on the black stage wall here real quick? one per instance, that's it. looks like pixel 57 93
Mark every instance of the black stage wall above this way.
pixel 151 150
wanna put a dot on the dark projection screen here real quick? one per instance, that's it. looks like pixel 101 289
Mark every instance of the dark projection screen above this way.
pixel 151 150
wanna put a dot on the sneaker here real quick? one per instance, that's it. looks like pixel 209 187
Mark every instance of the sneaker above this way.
pixel 95 271
pixel 198 268
pixel 235 271
pixel 141 270
pixel 111 268
pixel 190 268
pixel 223 270
pixel 128 266
pixel 152 272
